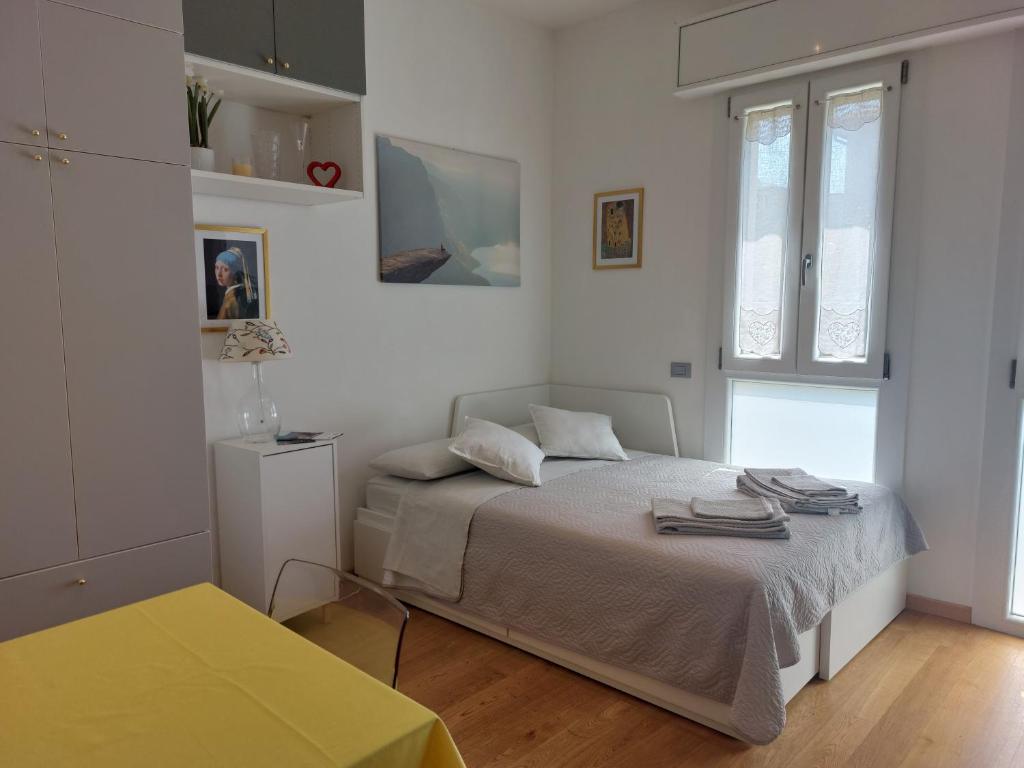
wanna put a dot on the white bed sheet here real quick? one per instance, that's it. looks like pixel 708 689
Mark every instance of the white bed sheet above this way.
pixel 384 493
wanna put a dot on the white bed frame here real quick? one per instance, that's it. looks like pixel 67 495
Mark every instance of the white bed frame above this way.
pixel 644 422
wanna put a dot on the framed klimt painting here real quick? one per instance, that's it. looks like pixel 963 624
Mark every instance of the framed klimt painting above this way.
pixel 446 216
pixel 232 266
pixel 619 229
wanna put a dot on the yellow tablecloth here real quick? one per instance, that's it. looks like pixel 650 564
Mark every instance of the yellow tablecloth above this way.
pixel 196 678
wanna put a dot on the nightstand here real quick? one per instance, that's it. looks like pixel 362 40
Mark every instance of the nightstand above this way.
pixel 274 502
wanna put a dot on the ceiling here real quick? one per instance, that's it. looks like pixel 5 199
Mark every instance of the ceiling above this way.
pixel 557 13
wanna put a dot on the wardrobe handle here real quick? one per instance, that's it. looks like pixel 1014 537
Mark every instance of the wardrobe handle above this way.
pixel 81 582
pixel 62 136
pixel 65 161
pixel 36 132
pixel 269 60
pixel 286 65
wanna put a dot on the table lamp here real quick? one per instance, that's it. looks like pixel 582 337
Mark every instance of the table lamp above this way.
pixel 256 341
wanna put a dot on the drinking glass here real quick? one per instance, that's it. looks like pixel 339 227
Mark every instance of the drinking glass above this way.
pixel 266 150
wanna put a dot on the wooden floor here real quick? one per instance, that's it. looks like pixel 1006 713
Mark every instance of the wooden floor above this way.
pixel 926 692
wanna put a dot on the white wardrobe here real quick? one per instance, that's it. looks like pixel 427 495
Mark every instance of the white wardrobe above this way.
pixel 103 481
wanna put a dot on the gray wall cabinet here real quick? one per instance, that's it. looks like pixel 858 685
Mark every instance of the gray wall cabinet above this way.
pixel 315 41
pixel 104 494
pixel 236 31
pixel 322 41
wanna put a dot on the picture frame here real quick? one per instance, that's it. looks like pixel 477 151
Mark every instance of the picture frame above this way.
pixel 233 275
pixel 447 216
pixel 619 229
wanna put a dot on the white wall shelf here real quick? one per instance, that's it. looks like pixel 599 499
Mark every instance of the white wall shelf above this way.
pixel 267 190
pixel 267 91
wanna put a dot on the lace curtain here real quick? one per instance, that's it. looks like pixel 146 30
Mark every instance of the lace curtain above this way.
pixel 852 111
pixel 765 126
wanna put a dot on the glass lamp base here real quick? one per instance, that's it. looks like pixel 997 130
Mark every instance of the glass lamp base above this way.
pixel 258 419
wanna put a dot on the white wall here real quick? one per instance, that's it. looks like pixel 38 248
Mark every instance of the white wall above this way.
pixel 953 195
pixel 618 125
pixel 383 362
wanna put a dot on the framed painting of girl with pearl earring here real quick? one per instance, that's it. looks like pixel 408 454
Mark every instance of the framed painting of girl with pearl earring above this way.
pixel 233 275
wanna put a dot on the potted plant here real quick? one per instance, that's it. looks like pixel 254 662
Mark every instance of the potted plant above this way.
pixel 201 110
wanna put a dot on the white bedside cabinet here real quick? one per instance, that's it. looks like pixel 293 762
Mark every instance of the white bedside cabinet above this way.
pixel 274 502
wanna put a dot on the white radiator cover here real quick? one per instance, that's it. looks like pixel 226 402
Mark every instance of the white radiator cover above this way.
pixel 754 42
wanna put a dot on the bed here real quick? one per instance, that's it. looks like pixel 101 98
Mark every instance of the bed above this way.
pixel 724 632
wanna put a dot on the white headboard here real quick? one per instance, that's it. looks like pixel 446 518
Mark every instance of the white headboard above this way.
pixel 642 421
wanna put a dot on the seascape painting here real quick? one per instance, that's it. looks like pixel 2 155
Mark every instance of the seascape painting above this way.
pixel 447 217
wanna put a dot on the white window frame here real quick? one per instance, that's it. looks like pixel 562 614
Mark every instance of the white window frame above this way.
pixel 800 294
pixel 723 368
pixel 796 93
pixel 889 76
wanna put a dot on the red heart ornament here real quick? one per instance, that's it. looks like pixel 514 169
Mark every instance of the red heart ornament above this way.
pixel 315 166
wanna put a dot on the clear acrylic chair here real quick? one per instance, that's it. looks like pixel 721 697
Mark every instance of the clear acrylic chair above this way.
pixel 348 616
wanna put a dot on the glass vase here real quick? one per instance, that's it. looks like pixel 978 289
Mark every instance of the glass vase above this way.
pixel 258 419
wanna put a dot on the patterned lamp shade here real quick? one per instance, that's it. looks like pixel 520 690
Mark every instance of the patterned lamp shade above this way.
pixel 254 341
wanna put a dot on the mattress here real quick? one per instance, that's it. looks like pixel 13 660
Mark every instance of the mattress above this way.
pixel 384 493
pixel 577 563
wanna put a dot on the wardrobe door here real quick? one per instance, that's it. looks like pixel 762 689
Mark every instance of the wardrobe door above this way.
pixel 237 31
pixel 124 244
pixel 322 41
pixel 37 509
pixel 113 87
pixel 22 115
pixel 157 13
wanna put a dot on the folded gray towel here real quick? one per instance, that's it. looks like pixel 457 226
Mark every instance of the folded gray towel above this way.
pixel 758 508
pixel 674 516
pixel 668 528
pixel 759 482
pixel 796 504
pixel 808 485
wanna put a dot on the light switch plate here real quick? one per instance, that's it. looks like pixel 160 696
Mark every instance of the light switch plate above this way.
pixel 681 370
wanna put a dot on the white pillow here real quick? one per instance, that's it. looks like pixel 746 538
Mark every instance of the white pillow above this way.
pixel 425 461
pixel 529 432
pixel 499 451
pixel 576 434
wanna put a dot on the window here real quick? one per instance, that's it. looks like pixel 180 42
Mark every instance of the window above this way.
pixel 1017 563
pixel 837 168
pixel 781 425
pixel 813 169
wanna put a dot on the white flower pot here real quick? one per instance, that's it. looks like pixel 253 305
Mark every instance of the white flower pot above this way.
pixel 202 158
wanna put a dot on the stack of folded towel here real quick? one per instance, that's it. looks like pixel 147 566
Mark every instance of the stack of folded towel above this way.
pixel 756 518
pixel 798 492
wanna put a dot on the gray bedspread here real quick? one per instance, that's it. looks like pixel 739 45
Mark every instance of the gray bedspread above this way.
pixel 577 563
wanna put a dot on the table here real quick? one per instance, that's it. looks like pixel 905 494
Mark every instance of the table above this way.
pixel 196 678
